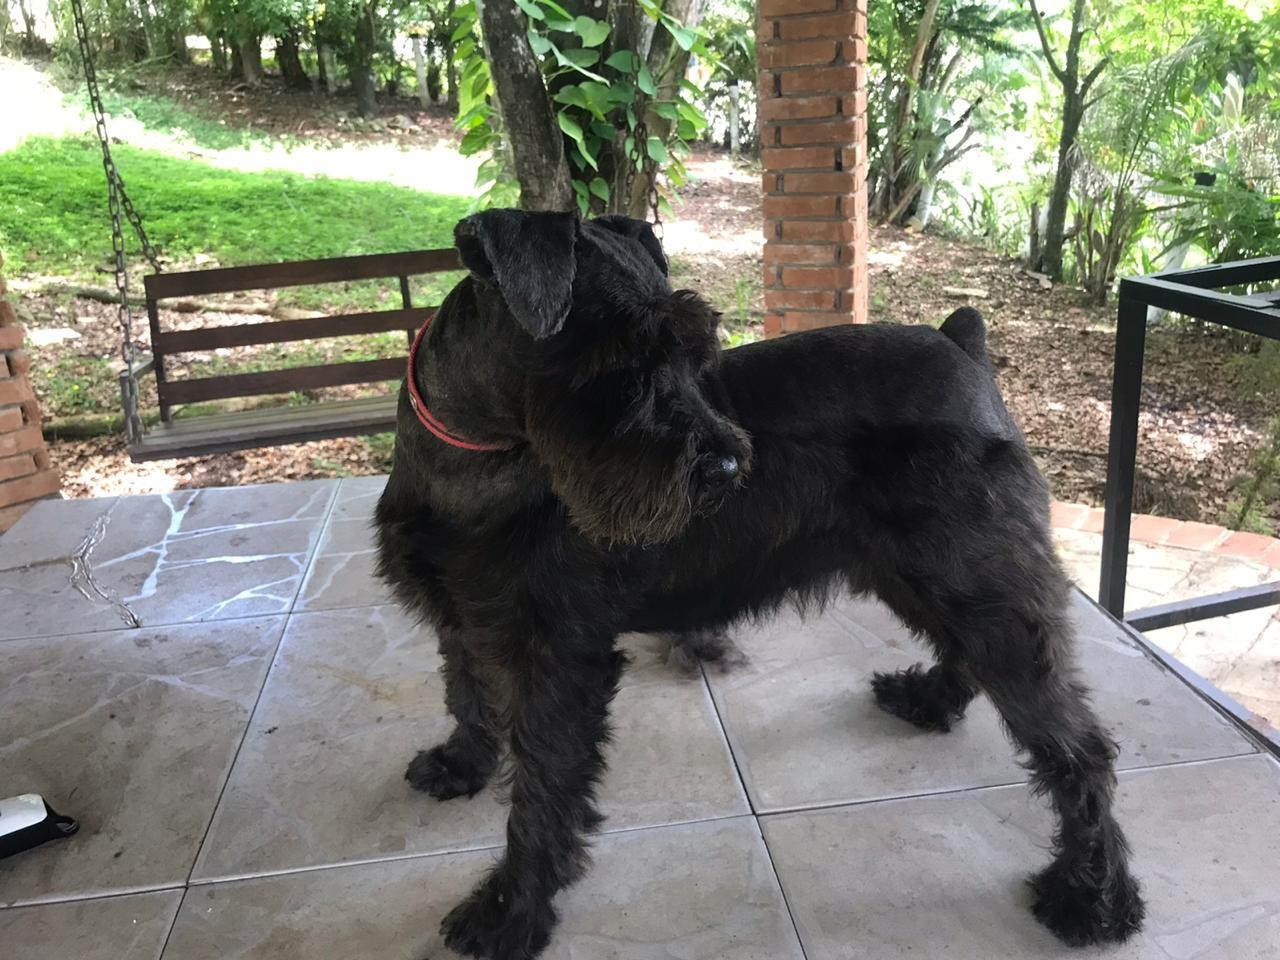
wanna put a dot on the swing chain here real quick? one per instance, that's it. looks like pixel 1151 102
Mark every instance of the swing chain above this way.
pixel 118 203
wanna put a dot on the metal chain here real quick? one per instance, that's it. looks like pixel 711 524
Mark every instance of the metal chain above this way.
pixel 650 169
pixel 117 199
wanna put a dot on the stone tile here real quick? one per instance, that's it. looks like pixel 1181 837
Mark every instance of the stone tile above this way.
pixel 1254 676
pixel 806 732
pixel 132 732
pixel 356 692
pixel 341 574
pixel 115 928
pixel 942 877
pixel 698 892
pixel 189 555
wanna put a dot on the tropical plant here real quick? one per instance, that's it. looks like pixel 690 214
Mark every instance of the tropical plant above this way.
pixel 940 72
pixel 579 110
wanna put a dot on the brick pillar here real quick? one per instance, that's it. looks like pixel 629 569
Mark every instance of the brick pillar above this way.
pixel 25 474
pixel 813 131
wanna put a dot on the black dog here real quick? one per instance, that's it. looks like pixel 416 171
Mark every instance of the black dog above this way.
pixel 576 458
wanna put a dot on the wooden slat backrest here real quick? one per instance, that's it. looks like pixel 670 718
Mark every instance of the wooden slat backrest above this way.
pixel 284 381
pixel 298 273
pixel 165 286
pixel 286 331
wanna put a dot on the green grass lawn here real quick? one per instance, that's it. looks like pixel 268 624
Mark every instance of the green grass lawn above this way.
pixel 53 211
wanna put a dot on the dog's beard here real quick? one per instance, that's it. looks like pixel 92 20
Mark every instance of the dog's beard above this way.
pixel 631 500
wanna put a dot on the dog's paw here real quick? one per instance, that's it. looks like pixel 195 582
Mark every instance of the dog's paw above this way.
pixel 492 924
pixel 1080 914
pixel 713 648
pixel 910 695
pixel 447 771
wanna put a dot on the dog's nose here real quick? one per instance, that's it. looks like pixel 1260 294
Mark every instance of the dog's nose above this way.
pixel 718 471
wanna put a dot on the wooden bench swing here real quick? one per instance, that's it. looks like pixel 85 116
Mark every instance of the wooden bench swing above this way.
pixel 268 426
pixel 203 434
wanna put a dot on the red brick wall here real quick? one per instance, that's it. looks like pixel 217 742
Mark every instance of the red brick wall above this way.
pixel 25 474
pixel 813 123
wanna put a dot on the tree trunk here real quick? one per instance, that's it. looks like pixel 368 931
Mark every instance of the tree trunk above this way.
pixel 176 38
pixel 1056 227
pixel 734 142
pixel 290 61
pixel 247 59
pixel 668 64
pixel 450 70
pixel 217 52
pixel 537 145
pixel 360 64
pixel 328 67
pixel 28 21
pixel 420 69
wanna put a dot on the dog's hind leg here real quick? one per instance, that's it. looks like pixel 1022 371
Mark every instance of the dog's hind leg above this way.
pixel 1086 894
pixel 692 648
pixel 463 764
pixel 931 699
pixel 1004 626
pixel 559 726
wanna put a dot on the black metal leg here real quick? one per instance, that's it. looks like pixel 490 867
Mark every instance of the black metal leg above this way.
pixel 1122 450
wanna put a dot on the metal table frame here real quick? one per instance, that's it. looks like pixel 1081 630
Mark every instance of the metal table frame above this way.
pixel 1195 293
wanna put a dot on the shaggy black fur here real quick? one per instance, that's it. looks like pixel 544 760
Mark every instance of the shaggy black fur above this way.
pixel 655 483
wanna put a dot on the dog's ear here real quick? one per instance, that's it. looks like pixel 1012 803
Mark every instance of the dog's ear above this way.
pixel 529 257
pixel 640 230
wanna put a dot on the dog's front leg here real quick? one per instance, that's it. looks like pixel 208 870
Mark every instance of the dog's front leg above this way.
pixel 561 690
pixel 462 764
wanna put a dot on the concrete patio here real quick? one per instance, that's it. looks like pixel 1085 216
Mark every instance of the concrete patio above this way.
pixel 236 761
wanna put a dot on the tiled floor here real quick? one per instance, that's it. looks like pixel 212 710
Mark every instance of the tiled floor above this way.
pixel 236 766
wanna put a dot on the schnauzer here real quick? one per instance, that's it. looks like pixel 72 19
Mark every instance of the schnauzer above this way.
pixel 577 458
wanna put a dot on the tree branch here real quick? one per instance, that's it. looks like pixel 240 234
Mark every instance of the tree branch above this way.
pixel 1093 76
pixel 1044 43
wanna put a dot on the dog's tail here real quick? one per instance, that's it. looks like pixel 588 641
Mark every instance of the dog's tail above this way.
pixel 966 329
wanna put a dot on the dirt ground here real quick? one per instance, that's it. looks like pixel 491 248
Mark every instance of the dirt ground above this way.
pixel 1052 351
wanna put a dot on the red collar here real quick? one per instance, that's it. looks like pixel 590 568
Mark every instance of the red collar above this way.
pixel 434 426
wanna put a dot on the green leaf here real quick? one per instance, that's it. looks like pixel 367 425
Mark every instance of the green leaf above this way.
pixel 665 207
pixel 532 9
pixel 541 45
pixel 587 155
pixel 629 147
pixel 464 50
pixel 600 189
pixel 592 32
pixel 556 8
pixel 620 92
pixel 570 126
pixel 475 141
pixel 572 95
pixel 685 37
pixel 657 152
pixel 581 57
pixel 623 60
pixel 596 98
pixel 667 111
pixel 686 131
pixel 644 80
pixel 578 60
pixel 690 112
pixel 631 119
